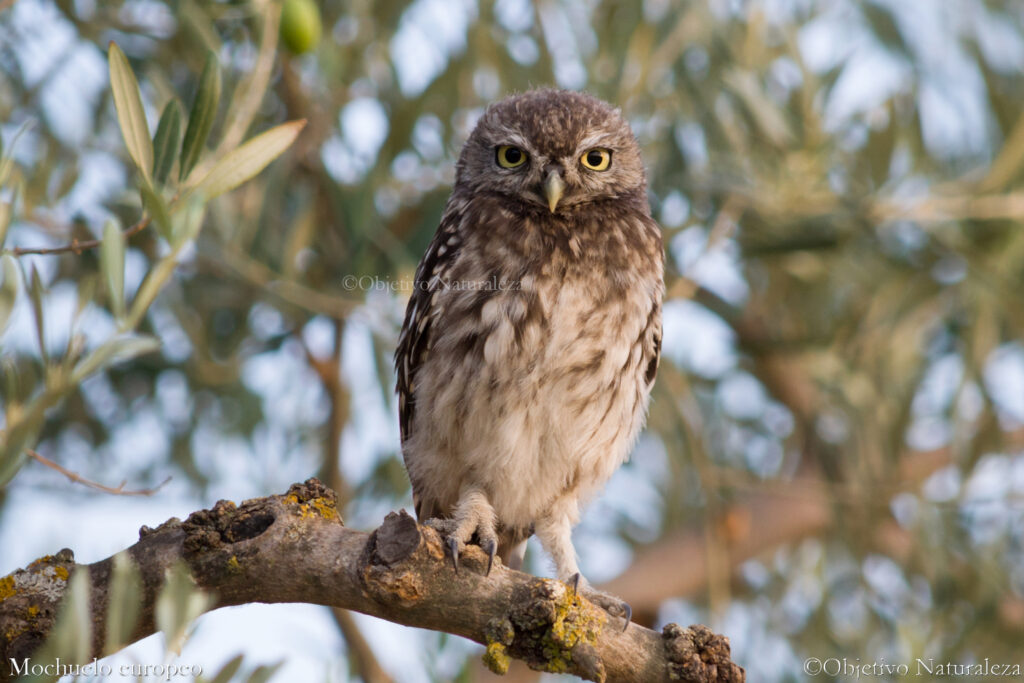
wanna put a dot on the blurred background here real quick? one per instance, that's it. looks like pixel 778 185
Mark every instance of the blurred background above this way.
pixel 832 466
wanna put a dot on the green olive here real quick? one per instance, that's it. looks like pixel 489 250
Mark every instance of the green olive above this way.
pixel 300 25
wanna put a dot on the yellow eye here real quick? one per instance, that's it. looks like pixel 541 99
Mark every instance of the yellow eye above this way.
pixel 597 159
pixel 511 157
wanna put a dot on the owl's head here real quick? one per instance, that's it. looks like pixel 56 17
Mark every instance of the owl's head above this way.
pixel 552 149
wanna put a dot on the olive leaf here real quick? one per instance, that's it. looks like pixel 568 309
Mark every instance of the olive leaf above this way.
pixel 201 117
pixel 113 351
pixel 130 114
pixel 228 671
pixel 157 209
pixel 35 291
pixel 165 142
pixel 247 160
pixel 112 264
pixel 5 220
pixel 72 634
pixel 125 599
pixel 180 602
pixel 9 277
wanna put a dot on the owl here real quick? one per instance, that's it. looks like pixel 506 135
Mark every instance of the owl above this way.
pixel 533 333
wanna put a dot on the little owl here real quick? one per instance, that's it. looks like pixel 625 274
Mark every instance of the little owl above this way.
pixel 532 337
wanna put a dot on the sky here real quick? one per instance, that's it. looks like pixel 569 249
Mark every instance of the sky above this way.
pixel 51 514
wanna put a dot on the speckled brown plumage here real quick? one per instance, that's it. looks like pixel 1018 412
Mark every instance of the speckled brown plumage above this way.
pixel 532 337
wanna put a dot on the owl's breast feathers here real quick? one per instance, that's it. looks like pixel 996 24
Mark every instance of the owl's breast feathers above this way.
pixel 528 332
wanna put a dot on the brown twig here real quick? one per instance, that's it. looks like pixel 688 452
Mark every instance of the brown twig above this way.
pixel 329 370
pixel 75 246
pixel 935 208
pixel 78 479
pixel 361 655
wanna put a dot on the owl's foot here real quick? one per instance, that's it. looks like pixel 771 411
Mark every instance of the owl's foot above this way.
pixel 446 528
pixel 489 546
pixel 456 536
pixel 616 607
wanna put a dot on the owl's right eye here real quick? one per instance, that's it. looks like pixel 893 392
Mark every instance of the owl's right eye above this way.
pixel 510 157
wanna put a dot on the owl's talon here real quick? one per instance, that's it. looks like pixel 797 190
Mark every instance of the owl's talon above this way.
pixel 453 546
pixel 490 546
pixel 456 536
pixel 574 583
pixel 616 607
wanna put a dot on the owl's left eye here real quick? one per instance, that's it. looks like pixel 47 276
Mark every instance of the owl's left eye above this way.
pixel 510 157
pixel 597 159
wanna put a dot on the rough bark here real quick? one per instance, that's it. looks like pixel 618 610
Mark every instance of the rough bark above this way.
pixel 295 548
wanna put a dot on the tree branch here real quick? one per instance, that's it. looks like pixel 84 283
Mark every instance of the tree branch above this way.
pixel 364 662
pixel 79 479
pixel 295 548
pixel 75 246
pixel 804 506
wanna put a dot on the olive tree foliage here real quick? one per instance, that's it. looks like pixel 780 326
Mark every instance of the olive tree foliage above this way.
pixel 838 185
pixel 177 222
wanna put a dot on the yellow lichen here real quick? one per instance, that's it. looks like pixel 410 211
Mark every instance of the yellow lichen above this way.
pixel 496 659
pixel 233 566
pixel 557 662
pixel 33 611
pixel 576 621
pixel 6 587
pixel 45 559
pixel 553 625
pixel 323 507
pixel 583 627
pixel 61 572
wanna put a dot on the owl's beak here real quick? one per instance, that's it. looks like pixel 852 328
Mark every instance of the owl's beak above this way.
pixel 554 186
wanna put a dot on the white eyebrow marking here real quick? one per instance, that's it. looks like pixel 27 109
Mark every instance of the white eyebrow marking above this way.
pixel 595 140
pixel 512 137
